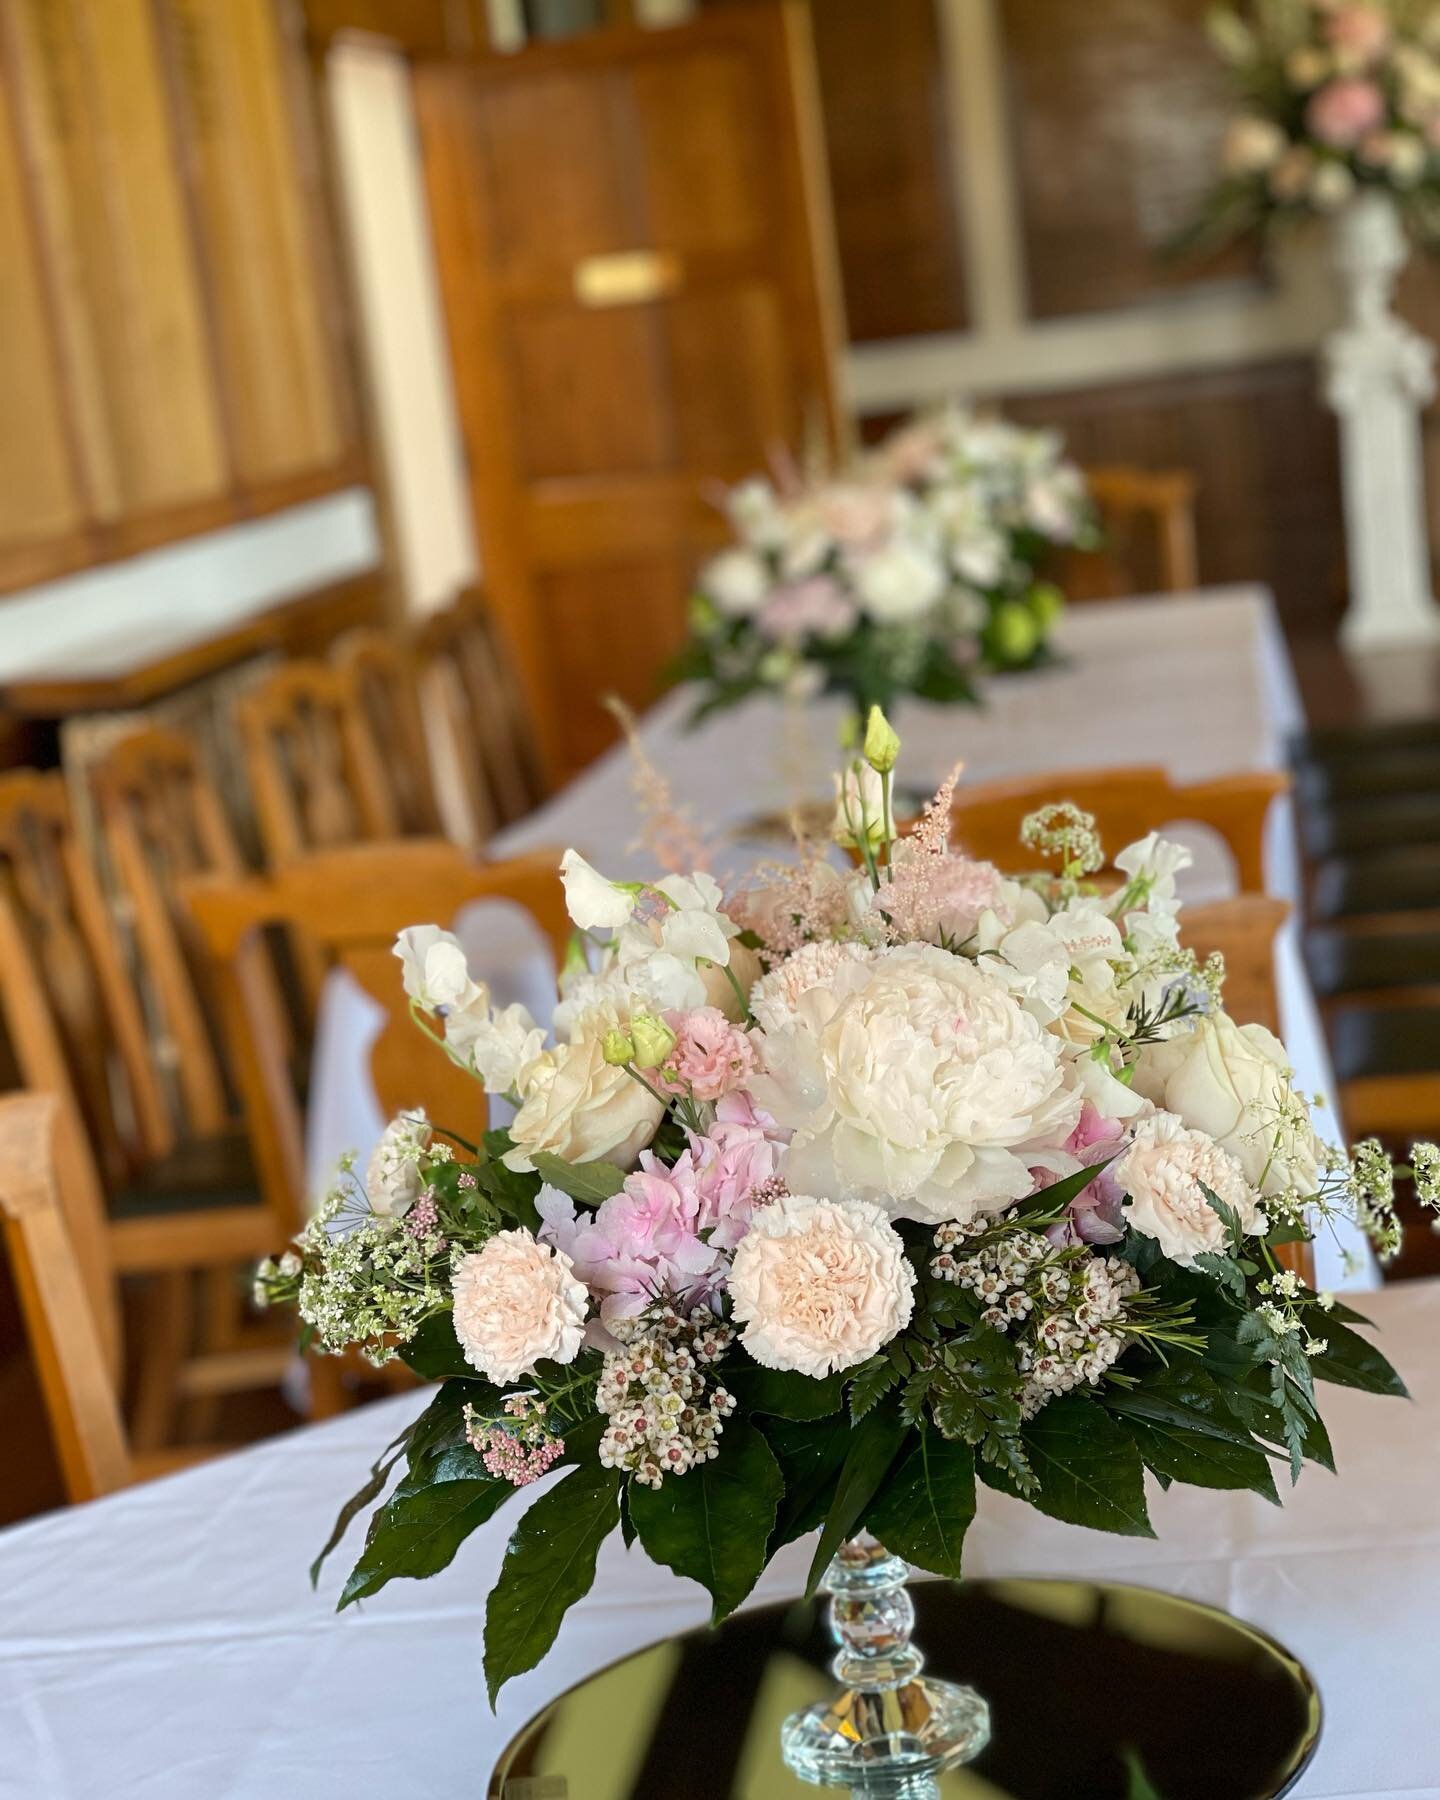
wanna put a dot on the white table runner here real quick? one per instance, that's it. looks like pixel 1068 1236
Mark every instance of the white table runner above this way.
pixel 165 1645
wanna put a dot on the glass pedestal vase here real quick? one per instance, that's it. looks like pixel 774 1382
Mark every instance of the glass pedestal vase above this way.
pixel 891 1730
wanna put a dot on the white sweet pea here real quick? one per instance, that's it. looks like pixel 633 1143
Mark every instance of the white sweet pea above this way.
pixel 497 1044
pixel 594 903
pixel 433 968
pixel 694 925
pixel 1152 905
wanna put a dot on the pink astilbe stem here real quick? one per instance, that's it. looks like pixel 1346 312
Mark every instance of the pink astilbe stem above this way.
pixel 666 830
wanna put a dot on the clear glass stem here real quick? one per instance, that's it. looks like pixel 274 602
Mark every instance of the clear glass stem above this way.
pixel 891 1730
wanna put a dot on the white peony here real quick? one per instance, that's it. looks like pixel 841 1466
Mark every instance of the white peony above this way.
pixel 575 1105
pixel 775 996
pixel 517 1303
pixel 496 1044
pixel 433 968
pixel 1163 1175
pixel 820 1285
pixel 914 1079
pixel 592 901
pixel 900 582
pixel 1233 1083
pixel 737 581
pixel 393 1180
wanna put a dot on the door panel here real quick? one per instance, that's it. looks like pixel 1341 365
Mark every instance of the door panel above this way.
pixel 637 280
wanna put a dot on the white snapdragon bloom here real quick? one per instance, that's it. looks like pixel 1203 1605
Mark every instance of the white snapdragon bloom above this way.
pixel 900 582
pixel 497 1044
pixel 737 581
pixel 433 968
pixel 593 902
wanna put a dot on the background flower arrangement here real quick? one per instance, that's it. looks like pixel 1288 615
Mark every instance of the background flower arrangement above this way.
pixel 912 574
pixel 826 1198
pixel 1337 98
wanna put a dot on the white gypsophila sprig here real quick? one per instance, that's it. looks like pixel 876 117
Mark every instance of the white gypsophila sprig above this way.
pixel 1065 832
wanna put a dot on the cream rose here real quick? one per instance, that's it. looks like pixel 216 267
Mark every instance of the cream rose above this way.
pixel 1233 1083
pixel 1163 1175
pixel 914 1079
pixel 820 1285
pixel 577 1106
pixel 517 1303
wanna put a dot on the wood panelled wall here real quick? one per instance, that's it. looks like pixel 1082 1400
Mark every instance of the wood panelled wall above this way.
pixel 172 355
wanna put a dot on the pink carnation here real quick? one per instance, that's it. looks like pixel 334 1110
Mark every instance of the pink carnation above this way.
pixel 1344 111
pixel 639 1244
pixel 740 1152
pixel 711 1056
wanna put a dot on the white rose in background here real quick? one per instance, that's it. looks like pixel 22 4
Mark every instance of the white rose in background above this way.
pixel 393 1180
pixel 914 1079
pixel 433 968
pixel 517 1303
pixel 1164 1174
pixel 577 1106
pixel 820 1285
pixel 1252 145
pixel 593 901
pixel 1233 1083
pixel 737 581
pixel 755 511
pixel 901 582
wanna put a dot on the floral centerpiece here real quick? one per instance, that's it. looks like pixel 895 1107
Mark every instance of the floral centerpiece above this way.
pixel 1337 98
pixel 910 575
pixel 825 1200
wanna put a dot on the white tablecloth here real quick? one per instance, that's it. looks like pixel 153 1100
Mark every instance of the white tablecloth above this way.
pixel 1200 684
pixel 165 1645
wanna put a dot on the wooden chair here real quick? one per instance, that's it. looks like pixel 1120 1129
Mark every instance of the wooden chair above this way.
pixel 1126 804
pixel 351 904
pixel 73 1344
pixel 496 751
pixel 1244 931
pixel 1148 520
pixel 168 1205
pixel 380 677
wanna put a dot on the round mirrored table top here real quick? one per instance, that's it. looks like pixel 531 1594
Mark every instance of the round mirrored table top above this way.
pixel 1096 1690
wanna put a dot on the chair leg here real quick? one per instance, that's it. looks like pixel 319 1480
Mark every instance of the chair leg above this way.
pixel 163 1344
pixel 221 1327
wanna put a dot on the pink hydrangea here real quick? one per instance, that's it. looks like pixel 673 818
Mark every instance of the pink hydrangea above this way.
pixel 641 1243
pixel 1094 1216
pixel 739 1153
pixel 1344 111
pixel 711 1056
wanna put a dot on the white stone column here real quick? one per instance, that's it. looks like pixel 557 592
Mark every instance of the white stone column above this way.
pixel 1378 375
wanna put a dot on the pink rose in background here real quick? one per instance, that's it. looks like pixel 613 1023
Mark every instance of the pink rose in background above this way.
pixel 1344 110
pixel 738 1154
pixel 711 1056
pixel 857 516
pixel 639 1244
pixel 817 606
pixel 1094 1216
pixel 1361 34
pixel 913 451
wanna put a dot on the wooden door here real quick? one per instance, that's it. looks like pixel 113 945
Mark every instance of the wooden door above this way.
pixel 633 243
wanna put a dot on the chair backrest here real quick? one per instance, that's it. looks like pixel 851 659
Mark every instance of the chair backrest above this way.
pixel 163 823
pixel 351 904
pixel 1243 930
pixel 1126 804
pixel 495 739
pixel 314 769
pixel 74 1019
pixel 1148 520
pixel 380 675
pixel 68 1340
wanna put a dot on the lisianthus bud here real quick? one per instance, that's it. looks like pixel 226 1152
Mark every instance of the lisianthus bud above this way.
pixel 882 746
pixel 617 1047
pixel 653 1040
pixel 859 808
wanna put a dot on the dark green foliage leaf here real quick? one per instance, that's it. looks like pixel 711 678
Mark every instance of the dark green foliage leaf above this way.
pixel 925 1506
pixel 810 1453
pixel 713 1522
pixel 1228 1217
pixel 549 1565
pixel 1183 1397
pixel 373 1488
pixel 435 1352
pixel 1225 1270
pixel 869 1384
pixel 511 1192
pixel 1138 1785
pixel 589 1182
pixel 418 1531
pixel 442 1425
pixel 874 1444
pixel 1059 1194
pixel 1088 1469
pixel 627 1524
pixel 781 1393
pixel 1176 1454
pixel 1351 1361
